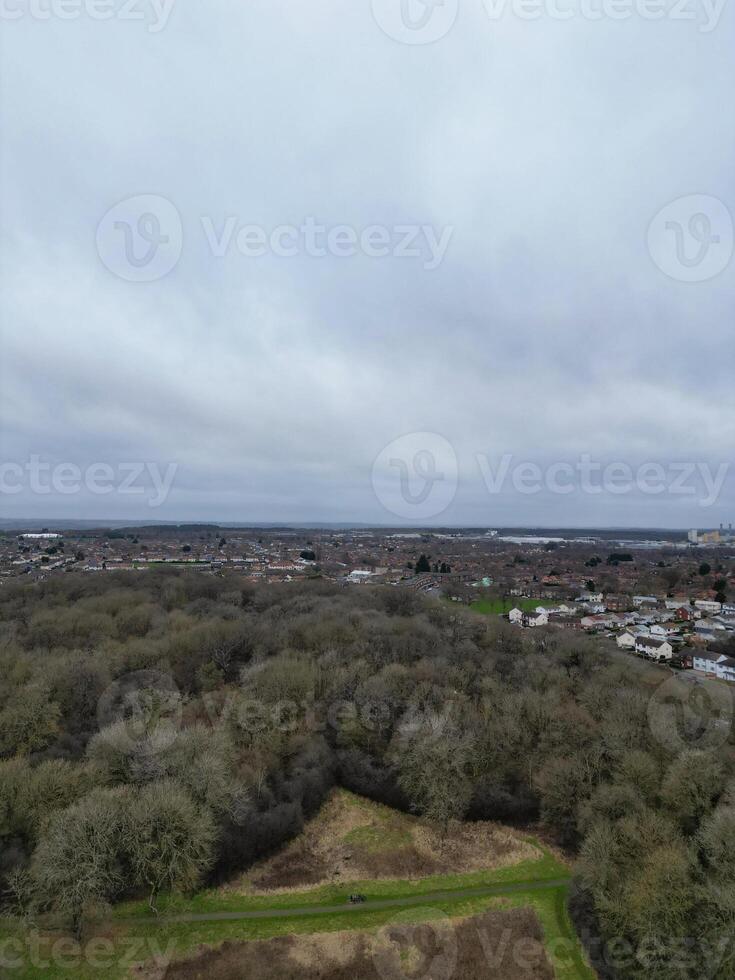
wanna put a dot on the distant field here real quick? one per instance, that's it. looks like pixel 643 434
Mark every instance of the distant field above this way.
pixel 497 606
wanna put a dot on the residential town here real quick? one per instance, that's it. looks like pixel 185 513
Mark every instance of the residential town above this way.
pixel 669 599
pixel 677 631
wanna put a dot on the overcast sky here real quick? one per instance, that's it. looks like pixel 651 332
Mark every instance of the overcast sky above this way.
pixel 555 312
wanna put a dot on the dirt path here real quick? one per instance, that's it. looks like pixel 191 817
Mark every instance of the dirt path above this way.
pixel 374 905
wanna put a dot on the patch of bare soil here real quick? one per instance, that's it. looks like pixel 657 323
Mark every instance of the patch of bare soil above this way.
pixel 497 945
pixel 353 839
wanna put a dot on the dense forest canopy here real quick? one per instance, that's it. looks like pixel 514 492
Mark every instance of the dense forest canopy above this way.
pixel 163 730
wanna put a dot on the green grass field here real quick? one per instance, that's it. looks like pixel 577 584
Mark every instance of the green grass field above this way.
pixel 497 606
pixel 134 934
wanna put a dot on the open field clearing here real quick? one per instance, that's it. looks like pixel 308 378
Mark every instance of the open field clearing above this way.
pixel 496 944
pixel 497 606
pixel 355 839
pixel 289 917
pixel 162 949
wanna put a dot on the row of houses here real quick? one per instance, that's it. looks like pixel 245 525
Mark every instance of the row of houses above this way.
pixel 664 632
pixel 656 648
pixel 715 665
pixel 665 643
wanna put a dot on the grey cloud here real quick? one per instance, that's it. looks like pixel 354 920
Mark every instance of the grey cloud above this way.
pixel 272 383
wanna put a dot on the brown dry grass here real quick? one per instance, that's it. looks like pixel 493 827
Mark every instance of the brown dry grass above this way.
pixel 497 945
pixel 353 839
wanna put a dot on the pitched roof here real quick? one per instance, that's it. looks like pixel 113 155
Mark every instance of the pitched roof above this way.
pixel 651 641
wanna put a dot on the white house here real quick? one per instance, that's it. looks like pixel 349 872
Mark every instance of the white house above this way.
pixel 535 619
pixel 715 664
pixel 626 640
pixel 654 649
pixel 709 626
pixel 706 661
pixel 591 597
pixel 520 618
pixel 601 621
pixel 662 630
pixel 592 622
pixel 708 605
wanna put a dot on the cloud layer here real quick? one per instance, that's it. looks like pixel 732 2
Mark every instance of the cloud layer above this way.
pixel 546 147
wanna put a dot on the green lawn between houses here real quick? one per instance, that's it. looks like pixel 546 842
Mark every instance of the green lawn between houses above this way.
pixel 134 934
pixel 497 606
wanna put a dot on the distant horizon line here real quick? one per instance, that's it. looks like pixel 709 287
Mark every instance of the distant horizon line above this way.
pixel 10 524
